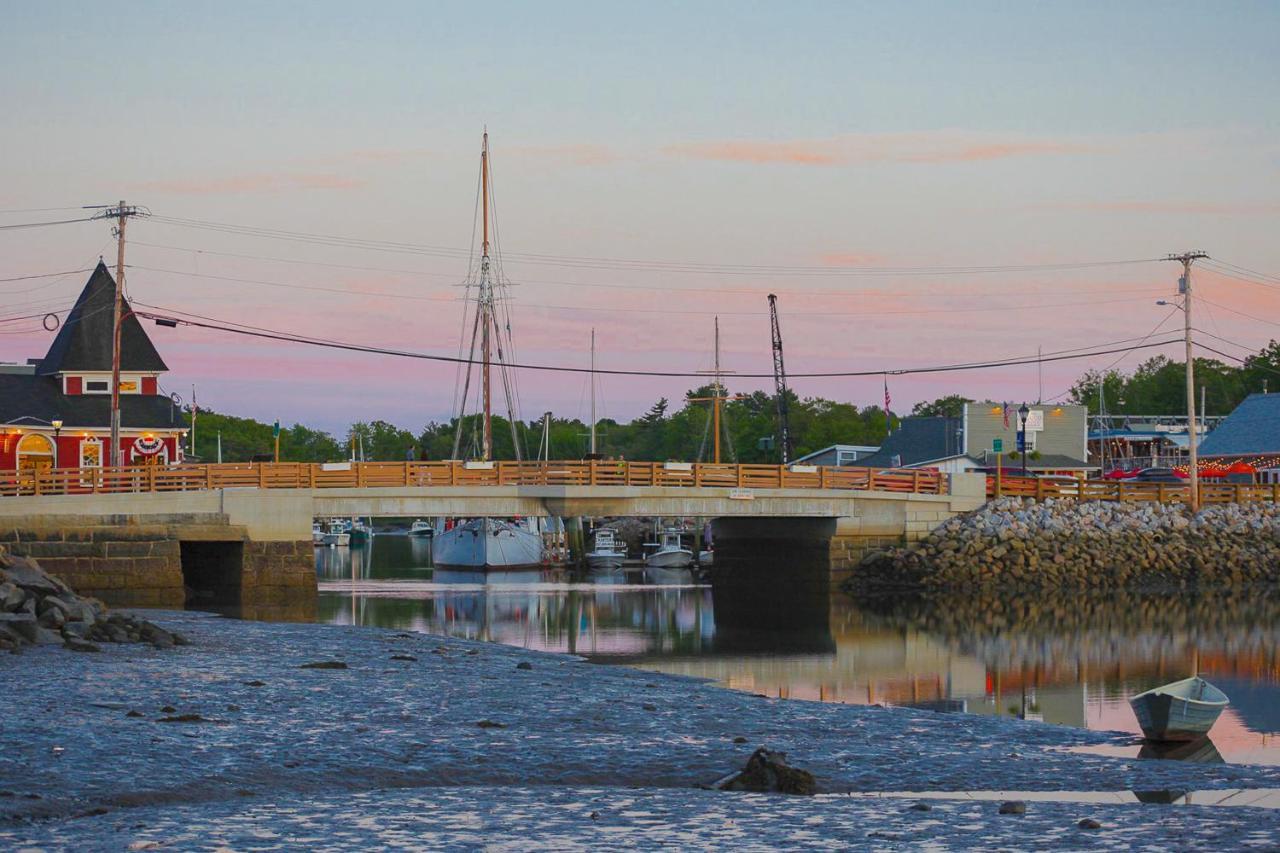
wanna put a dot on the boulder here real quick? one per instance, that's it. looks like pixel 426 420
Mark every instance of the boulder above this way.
pixel 767 771
pixel 11 596
pixel 25 573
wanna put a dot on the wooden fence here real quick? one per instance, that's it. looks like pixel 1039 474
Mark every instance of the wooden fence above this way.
pixel 1126 490
pixel 304 475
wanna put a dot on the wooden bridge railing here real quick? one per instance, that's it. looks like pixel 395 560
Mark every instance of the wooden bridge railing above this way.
pixel 304 475
pixel 1128 491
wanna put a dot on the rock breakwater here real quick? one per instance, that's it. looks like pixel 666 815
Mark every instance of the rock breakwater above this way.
pixel 37 609
pixel 1013 543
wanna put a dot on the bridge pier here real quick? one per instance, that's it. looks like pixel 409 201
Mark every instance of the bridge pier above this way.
pixel 171 561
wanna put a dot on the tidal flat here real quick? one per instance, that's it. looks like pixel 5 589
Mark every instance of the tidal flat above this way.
pixel 425 741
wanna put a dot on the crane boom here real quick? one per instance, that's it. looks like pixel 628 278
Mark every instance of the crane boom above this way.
pixel 780 382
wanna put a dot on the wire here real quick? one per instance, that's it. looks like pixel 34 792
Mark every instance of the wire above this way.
pixel 288 337
pixel 43 224
pixel 587 262
pixel 346 291
pixel 41 275
pixel 1239 313
pixel 39 209
pixel 594 285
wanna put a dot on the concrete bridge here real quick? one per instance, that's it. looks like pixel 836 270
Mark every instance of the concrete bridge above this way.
pixel 242 533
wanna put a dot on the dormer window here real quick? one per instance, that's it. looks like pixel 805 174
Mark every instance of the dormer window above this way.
pixel 97 386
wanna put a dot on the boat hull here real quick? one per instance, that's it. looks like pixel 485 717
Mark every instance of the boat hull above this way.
pixel 681 559
pixel 339 540
pixel 1170 713
pixel 604 561
pixel 487 545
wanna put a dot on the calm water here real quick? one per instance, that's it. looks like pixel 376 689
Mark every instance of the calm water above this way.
pixel 1073 661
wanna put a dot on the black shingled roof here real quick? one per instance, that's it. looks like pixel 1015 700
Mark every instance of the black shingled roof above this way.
pixel 918 440
pixel 84 341
pixel 37 400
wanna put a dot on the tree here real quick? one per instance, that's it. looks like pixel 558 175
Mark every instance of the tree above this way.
pixel 950 406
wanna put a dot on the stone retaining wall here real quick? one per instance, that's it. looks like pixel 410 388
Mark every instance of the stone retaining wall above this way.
pixel 1012 544
pixel 130 564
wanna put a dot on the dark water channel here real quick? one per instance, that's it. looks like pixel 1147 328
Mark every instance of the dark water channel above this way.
pixel 1074 660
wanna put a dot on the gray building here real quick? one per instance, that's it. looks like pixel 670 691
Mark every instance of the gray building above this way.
pixel 1056 440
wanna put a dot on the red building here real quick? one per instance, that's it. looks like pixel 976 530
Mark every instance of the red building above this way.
pixel 55 412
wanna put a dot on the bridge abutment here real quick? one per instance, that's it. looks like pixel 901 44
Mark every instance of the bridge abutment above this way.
pixel 174 561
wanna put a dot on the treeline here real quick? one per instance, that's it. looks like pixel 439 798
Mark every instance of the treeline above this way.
pixel 665 432
pixel 682 431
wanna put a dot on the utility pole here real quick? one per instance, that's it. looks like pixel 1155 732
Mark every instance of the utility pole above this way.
pixel 593 394
pixel 1186 259
pixel 121 214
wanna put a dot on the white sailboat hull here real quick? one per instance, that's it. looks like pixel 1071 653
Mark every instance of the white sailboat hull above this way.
pixel 485 544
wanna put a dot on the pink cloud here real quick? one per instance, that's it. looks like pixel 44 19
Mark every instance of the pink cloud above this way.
pixel 254 183
pixel 928 147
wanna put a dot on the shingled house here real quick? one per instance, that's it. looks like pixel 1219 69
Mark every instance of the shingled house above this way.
pixel 56 411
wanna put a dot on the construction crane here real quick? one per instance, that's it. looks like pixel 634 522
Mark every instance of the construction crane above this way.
pixel 780 382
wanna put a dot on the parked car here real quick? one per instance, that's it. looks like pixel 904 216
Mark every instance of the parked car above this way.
pixel 1157 475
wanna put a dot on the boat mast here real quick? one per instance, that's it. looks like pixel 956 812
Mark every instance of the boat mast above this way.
pixel 716 394
pixel 593 393
pixel 486 305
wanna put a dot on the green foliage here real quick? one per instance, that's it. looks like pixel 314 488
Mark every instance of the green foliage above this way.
pixel 244 438
pixel 950 406
pixel 1156 387
pixel 1159 385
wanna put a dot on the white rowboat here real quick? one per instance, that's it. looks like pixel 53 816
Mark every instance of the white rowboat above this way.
pixel 1181 711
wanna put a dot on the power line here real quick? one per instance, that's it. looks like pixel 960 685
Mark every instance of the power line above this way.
pixel 41 275
pixel 288 337
pixel 637 265
pixel 22 225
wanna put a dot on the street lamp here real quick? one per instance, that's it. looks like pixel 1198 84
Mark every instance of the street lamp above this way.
pixel 56 423
pixel 1023 411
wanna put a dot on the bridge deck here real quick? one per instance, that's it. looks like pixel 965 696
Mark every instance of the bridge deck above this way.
pixel 344 475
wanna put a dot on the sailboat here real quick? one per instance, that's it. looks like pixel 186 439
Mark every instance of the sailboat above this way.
pixel 487 544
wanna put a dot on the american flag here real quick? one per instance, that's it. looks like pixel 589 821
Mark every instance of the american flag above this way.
pixel 887 400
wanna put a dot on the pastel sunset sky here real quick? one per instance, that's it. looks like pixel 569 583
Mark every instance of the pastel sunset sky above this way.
pixel 655 164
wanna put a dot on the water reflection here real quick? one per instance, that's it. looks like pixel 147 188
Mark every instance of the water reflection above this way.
pixel 1073 660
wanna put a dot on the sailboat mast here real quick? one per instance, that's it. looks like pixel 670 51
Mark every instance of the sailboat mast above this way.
pixel 486 305
pixel 593 392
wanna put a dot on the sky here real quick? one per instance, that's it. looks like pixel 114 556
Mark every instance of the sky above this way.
pixel 655 165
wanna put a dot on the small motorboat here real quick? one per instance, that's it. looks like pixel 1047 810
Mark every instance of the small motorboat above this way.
pixel 336 535
pixel 669 552
pixel 421 528
pixel 607 553
pixel 361 532
pixel 317 533
pixel 1182 711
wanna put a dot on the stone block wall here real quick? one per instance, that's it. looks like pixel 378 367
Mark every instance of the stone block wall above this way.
pixel 123 565
pixel 278 573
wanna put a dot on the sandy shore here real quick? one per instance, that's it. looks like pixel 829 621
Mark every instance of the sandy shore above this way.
pixel 389 750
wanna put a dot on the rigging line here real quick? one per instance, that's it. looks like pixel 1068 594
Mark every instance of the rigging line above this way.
pixel 287 338
pixel 644 265
pixel 595 285
pixel 22 225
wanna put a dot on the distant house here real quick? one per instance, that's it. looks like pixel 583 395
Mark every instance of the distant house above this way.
pixel 837 454
pixel 56 411
pixel 1055 440
pixel 1250 433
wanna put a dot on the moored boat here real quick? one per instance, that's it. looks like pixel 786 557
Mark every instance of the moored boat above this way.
pixel 606 553
pixel 336 535
pixel 1182 711
pixel 421 528
pixel 485 544
pixel 669 552
pixel 317 533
